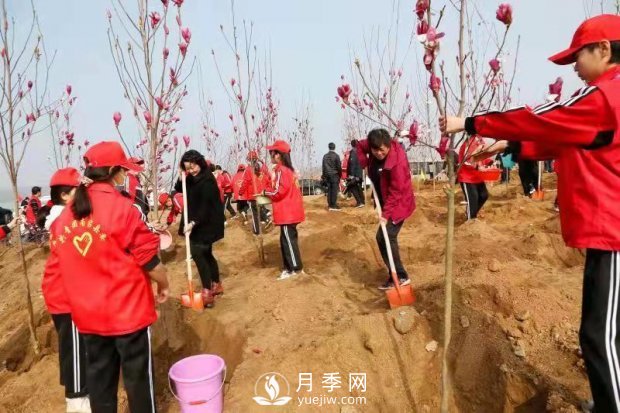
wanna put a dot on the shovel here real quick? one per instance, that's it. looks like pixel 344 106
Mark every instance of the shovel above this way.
pixel 191 299
pixel 400 295
pixel 539 194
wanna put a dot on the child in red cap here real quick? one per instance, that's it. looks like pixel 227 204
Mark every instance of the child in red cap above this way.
pixel 585 133
pixel 288 207
pixel 71 348
pixel 106 256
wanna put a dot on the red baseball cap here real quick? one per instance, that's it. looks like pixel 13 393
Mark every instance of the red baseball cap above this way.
pixel 109 153
pixel 66 177
pixel 163 198
pixel 596 29
pixel 241 167
pixel 280 146
pixel 138 162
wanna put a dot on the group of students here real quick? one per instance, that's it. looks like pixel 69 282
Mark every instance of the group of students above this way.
pixel 104 254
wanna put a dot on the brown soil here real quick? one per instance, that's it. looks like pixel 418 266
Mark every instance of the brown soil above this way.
pixel 511 265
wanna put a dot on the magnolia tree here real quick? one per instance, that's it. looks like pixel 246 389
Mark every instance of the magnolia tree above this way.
pixel 476 86
pixel 210 137
pixel 151 64
pixel 301 138
pixel 24 83
pixel 65 148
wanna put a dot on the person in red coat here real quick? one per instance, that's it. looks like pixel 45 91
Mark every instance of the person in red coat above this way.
pixel 5 230
pixel 174 204
pixel 388 169
pixel 288 207
pixel 71 348
pixel 224 182
pixel 106 257
pixel 584 130
pixel 255 179
pixel 32 209
pixel 470 178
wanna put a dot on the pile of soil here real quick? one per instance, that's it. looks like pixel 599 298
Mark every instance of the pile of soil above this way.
pixel 516 314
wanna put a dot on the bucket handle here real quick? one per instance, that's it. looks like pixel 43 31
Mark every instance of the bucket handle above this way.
pixel 198 402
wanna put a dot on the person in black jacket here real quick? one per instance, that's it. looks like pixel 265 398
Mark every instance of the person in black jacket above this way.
pixel 205 216
pixel 355 176
pixel 332 169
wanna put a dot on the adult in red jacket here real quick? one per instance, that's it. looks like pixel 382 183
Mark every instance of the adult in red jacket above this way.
pixel 255 180
pixel 33 207
pixel 470 178
pixel 388 169
pixel 237 181
pixel 71 348
pixel 224 182
pixel 288 207
pixel 585 131
pixel 105 257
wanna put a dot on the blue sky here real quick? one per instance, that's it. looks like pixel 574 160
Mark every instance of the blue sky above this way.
pixel 309 41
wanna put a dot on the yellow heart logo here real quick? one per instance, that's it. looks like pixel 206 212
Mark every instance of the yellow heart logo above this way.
pixel 83 243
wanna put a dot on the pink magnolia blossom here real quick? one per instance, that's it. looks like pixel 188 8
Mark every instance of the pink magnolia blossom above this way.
pixel 495 65
pixel 117 118
pixel 429 58
pixel 186 34
pixel 230 117
pixel 176 141
pixel 422 28
pixel 29 84
pixel 3 52
pixel 413 132
pixel 435 83
pixel 183 48
pixel 30 118
pixel 147 117
pixel 108 14
pixel 179 22
pixel 186 140
pixel 173 77
pixel 61 142
pixel 342 105
pixel 400 72
pixel 166 52
pixel 555 90
pixel 421 7
pixel 20 94
pixel 240 97
pixel 236 129
pixel 57 114
pixel 166 29
pixel 155 19
pixel 504 14
pixel 165 3
pixel 160 102
pixel 233 82
pixel 68 89
pixel 86 143
pixel 178 3
pixel 432 36
pixel 344 92
pixel 443 146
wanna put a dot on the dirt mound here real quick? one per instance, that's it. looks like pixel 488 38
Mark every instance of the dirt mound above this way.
pixel 509 352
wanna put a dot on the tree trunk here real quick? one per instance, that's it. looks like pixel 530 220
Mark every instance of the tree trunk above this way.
pixel 445 372
pixel 17 234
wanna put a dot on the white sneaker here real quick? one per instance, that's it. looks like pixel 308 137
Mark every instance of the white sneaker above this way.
pixel 78 405
pixel 284 275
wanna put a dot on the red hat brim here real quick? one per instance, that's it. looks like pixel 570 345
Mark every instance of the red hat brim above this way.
pixel 565 57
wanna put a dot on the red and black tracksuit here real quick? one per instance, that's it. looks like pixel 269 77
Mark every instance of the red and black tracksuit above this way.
pixel 225 183
pixel 288 212
pixel 97 271
pixel 255 179
pixel 583 132
pixel 470 178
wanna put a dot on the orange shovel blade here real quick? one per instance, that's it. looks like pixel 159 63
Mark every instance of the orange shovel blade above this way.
pixel 401 296
pixel 193 301
pixel 538 195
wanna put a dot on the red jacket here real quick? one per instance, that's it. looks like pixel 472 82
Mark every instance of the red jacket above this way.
pixel 33 207
pixel 100 262
pixel 224 181
pixel 4 231
pixel 396 189
pixel 253 184
pixel 288 203
pixel 585 131
pixel 469 171
pixel 345 164
pixel 237 180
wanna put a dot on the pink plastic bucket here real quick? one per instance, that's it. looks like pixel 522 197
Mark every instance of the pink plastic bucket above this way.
pixel 197 382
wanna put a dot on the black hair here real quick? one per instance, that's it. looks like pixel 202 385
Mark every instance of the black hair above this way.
pixel 218 168
pixel 42 215
pixel 193 156
pixel 286 159
pixel 36 190
pixel 331 146
pixel 354 143
pixel 56 192
pixel 81 206
pixel 615 50
pixel 378 138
